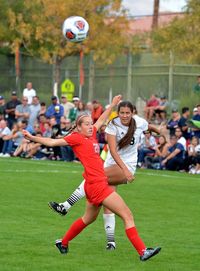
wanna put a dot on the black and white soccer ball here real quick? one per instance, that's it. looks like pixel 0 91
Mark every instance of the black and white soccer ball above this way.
pixel 75 29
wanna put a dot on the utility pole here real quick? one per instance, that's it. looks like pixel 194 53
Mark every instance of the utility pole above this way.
pixel 155 14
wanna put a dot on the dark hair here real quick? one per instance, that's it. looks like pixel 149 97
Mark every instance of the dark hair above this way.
pixel 128 138
pixel 185 109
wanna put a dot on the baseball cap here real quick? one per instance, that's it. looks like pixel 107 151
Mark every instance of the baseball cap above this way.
pixel 1 97
pixel 75 99
pixel 14 93
pixel 54 97
pixel 174 110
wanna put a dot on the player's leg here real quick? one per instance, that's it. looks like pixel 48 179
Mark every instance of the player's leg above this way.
pixel 62 208
pixel 89 216
pixel 116 175
pixel 109 226
pixel 117 205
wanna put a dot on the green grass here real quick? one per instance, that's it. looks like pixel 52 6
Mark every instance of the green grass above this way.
pixel 165 206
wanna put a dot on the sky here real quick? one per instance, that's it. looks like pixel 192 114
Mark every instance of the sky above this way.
pixel 145 7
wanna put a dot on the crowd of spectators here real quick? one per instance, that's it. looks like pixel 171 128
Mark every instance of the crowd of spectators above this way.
pixel 177 148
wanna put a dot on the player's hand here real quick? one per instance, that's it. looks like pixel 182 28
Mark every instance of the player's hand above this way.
pixel 26 134
pixel 129 175
pixel 116 100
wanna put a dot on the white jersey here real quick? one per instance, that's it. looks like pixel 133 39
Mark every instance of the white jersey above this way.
pixel 128 154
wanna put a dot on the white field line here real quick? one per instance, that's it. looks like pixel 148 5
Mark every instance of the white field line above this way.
pixel 38 163
pixel 68 165
pixel 36 171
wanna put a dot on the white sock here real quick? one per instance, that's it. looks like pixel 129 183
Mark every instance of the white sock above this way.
pixel 78 194
pixel 109 226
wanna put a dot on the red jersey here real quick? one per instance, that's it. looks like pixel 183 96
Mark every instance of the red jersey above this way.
pixel 87 150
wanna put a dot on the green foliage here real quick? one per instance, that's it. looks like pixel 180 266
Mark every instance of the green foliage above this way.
pixel 182 36
pixel 164 204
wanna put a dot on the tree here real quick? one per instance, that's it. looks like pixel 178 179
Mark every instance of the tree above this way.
pixel 182 36
pixel 37 27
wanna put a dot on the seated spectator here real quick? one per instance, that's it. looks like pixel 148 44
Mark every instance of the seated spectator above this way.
pixel 66 105
pixel 34 110
pixel 81 109
pixel 150 107
pixel 146 147
pixel 101 137
pixel 28 149
pixel 10 109
pixel 73 111
pixel 181 139
pixel 55 132
pixel 161 151
pixel 43 108
pixel 16 136
pixel 183 123
pixel 55 110
pixel 42 119
pixel 196 131
pixel 96 111
pixel 175 156
pixel 193 159
pixel 6 144
pixel 2 106
pixel 89 108
pixel 67 153
pixel 22 110
pixel 161 110
pixel 172 124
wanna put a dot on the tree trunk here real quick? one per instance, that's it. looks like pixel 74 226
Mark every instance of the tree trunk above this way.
pixel 155 14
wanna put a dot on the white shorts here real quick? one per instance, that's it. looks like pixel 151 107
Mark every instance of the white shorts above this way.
pixel 131 166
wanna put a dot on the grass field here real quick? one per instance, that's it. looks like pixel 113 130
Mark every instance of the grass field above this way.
pixel 165 206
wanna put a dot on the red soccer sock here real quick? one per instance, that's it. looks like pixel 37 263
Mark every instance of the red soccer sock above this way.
pixel 73 231
pixel 135 239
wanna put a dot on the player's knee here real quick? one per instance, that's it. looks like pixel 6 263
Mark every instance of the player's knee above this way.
pixel 127 216
pixel 89 219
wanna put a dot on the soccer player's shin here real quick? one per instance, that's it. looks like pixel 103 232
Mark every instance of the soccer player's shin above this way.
pixel 135 239
pixel 109 226
pixel 73 231
pixel 78 194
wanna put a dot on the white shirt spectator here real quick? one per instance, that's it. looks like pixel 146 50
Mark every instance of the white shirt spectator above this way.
pixel 29 92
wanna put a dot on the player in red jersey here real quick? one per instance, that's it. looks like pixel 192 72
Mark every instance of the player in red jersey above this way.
pixel 98 192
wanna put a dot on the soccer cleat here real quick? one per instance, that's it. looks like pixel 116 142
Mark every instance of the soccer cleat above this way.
pixel 58 208
pixel 149 252
pixel 61 248
pixel 111 246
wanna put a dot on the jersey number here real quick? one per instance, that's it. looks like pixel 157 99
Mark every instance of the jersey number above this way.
pixel 132 141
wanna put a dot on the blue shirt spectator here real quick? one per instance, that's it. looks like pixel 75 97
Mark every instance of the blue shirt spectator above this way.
pixel 55 109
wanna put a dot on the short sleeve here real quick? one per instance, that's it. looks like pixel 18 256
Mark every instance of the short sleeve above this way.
pixel 73 139
pixel 144 125
pixel 111 129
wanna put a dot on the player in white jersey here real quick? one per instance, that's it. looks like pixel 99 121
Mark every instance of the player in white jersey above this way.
pixel 123 135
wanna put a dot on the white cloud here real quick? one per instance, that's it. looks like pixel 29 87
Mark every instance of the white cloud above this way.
pixel 145 7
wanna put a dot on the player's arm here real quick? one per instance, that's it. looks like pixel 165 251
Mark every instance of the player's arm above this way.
pixel 111 139
pixel 104 116
pixel 50 142
pixel 154 129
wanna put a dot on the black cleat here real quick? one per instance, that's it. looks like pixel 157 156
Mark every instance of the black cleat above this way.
pixel 111 246
pixel 58 208
pixel 61 248
pixel 149 252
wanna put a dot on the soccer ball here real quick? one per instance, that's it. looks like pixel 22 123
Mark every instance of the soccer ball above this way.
pixel 75 29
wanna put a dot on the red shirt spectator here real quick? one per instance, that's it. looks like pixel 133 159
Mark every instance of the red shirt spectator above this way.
pixel 97 110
